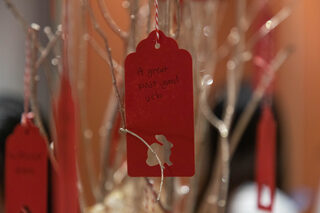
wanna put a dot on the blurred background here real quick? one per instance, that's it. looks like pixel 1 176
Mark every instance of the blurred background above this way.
pixel 297 87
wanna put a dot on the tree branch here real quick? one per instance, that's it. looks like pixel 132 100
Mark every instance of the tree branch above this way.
pixel 112 69
pixel 270 25
pixel 154 194
pixel 33 98
pixel 178 27
pixel 18 15
pixel 103 54
pixel 112 24
pixel 45 52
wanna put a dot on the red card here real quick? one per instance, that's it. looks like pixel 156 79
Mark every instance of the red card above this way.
pixel 159 108
pixel 263 52
pixel 265 164
pixel 26 171
pixel 65 182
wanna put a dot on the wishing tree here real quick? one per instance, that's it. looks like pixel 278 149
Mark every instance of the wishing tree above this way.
pixel 219 47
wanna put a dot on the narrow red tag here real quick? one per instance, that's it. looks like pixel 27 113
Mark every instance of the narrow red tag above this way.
pixel 263 52
pixel 26 171
pixel 159 108
pixel 265 159
pixel 65 182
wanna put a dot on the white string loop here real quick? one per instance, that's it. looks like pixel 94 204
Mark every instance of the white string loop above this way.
pixel 153 152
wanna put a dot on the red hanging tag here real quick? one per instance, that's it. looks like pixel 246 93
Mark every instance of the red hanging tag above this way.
pixel 26 170
pixel 66 192
pixel 265 159
pixel 66 198
pixel 159 108
pixel 263 53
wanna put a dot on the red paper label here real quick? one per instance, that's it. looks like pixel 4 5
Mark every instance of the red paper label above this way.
pixel 65 182
pixel 265 165
pixel 263 53
pixel 26 171
pixel 159 108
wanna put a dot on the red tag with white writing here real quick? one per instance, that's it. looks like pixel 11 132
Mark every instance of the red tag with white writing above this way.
pixel 26 171
pixel 159 108
pixel 265 159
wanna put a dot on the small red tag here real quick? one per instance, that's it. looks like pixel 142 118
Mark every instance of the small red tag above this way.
pixel 263 53
pixel 26 171
pixel 159 108
pixel 265 163
pixel 65 182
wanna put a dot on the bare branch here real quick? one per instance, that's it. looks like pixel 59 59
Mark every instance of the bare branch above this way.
pixel 167 17
pixel 103 54
pixel 106 131
pixel 112 24
pixel 18 15
pixel 134 7
pixel 48 31
pixel 178 10
pixel 112 69
pixel 212 118
pixel 270 25
pixel 56 50
pixel 150 4
pixel 220 183
pixel 33 98
pixel 154 194
pixel 45 52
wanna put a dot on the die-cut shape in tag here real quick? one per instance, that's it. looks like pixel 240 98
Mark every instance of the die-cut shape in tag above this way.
pixel 265 159
pixel 163 149
pixel 26 171
pixel 159 108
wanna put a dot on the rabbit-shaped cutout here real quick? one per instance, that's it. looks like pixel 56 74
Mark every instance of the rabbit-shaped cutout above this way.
pixel 163 151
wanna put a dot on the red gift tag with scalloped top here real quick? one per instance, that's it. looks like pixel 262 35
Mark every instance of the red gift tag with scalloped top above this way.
pixel 26 171
pixel 159 108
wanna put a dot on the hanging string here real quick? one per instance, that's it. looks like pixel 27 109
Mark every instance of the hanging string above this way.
pixel 153 152
pixel 156 4
pixel 27 77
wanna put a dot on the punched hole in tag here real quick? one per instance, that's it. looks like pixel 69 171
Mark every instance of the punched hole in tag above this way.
pixel 157 46
pixel 163 150
pixel 265 198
